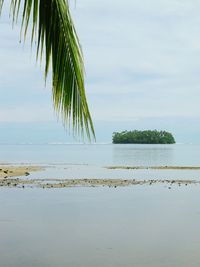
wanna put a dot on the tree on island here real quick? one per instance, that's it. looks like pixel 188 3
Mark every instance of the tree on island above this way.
pixel 55 37
pixel 143 137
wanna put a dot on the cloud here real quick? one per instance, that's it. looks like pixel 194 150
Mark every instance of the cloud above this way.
pixel 142 61
pixel 26 114
pixel 142 57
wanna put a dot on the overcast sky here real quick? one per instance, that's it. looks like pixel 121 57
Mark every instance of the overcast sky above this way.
pixel 142 61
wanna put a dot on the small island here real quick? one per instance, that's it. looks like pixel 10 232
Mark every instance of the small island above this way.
pixel 143 137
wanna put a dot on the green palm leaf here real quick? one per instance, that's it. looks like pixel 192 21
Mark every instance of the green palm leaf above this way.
pixel 54 32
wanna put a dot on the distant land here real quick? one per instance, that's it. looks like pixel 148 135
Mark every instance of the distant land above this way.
pixel 143 137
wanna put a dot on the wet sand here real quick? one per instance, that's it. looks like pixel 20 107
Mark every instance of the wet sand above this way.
pixel 17 176
pixel 153 167
pixel 12 171
pixel 62 183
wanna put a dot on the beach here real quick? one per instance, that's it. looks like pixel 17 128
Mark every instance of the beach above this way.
pixel 18 176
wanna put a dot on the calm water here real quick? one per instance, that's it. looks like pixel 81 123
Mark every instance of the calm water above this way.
pixel 138 226
pixel 102 227
pixel 102 154
pixel 89 161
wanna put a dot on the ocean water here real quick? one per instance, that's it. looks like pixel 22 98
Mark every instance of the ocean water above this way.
pixel 103 154
pixel 140 226
pixel 136 226
pixel 91 161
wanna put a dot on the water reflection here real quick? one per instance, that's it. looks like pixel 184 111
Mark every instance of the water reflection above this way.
pixel 143 155
pixel 136 226
pixel 177 155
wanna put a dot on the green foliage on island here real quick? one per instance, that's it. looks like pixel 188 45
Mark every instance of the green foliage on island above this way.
pixel 143 137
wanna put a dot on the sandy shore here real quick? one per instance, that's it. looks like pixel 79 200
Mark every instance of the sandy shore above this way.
pixel 153 168
pixel 61 183
pixel 10 177
pixel 12 171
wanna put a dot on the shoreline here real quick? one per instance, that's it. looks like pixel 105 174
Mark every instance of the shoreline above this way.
pixel 68 183
pixel 153 167
pixel 10 177
pixel 7 171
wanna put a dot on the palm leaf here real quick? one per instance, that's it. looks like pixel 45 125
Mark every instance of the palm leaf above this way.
pixel 56 38
pixel 1 5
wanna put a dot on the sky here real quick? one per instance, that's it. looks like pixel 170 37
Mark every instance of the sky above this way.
pixel 142 61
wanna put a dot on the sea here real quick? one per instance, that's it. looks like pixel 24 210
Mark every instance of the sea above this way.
pixel 135 226
pixel 102 154
pixel 93 161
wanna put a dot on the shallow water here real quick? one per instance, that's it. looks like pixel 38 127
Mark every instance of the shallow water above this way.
pixel 136 226
pixel 97 172
pixel 103 227
pixel 89 161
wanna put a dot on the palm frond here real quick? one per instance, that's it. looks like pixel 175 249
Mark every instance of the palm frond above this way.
pixel 1 5
pixel 56 38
